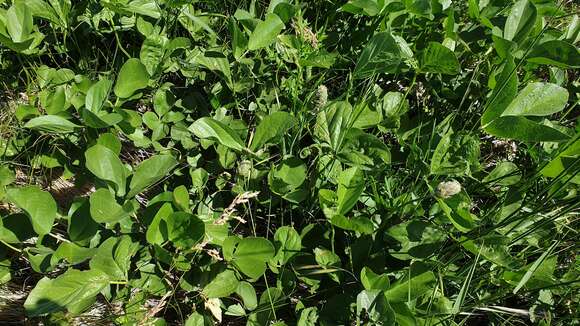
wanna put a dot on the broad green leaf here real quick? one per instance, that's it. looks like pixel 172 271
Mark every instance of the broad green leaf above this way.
pixel 265 32
pixel 523 129
pixel 81 227
pixel 56 101
pixel 74 290
pixel 505 90
pixel 362 7
pixel 208 128
pixel 73 253
pixel 97 95
pixel 113 257
pixel 16 228
pixel 271 128
pixel 38 205
pixel 288 244
pixel 308 317
pixel 248 294
pixel 556 53
pixel 185 230
pixel 417 282
pixel 563 162
pixel 381 55
pixel 419 7
pixel 216 62
pixel 181 198
pixel 373 281
pixel 538 274
pixel 19 22
pixel 287 177
pixel 106 165
pixel 150 171
pixel 457 209
pixel 520 21
pixel 504 174
pixel 132 77
pixel 251 255
pixel 351 184
pixel 437 58
pixel 332 124
pixel 270 300
pixel 51 123
pixel 224 284
pixel 359 224
pixel 376 307
pixel 157 232
pixel 456 154
pixel 416 239
pixel 104 207
pixel 538 99
pixel 239 40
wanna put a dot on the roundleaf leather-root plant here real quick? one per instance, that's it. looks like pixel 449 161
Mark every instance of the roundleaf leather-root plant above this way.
pixel 286 162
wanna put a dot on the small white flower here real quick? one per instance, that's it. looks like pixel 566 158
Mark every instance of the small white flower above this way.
pixel 448 189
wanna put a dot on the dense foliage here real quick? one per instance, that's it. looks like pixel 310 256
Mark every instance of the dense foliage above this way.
pixel 286 162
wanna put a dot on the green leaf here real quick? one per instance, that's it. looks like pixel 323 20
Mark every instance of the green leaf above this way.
pixel 506 88
pixel 373 281
pixel 456 154
pixel 73 253
pixel 38 205
pixel 272 127
pixel 216 62
pixel 113 257
pixel 133 76
pixel 251 255
pixel 376 306
pixel 265 32
pixel 413 285
pixel 208 128
pixel 381 55
pixel 437 58
pixel 332 124
pixel 104 207
pixel 56 101
pixel 16 228
pixel 106 165
pixel 556 53
pixel 224 284
pixel 181 198
pixel 457 209
pixel 288 244
pixel 538 99
pixel 362 7
pixel 504 174
pixel 520 21
pixel 97 95
pixel 185 230
pixel 19 22
pixel 523 129
pixel 417 239
pixel 81 227
pixel 351 184
pixel 74 290
pixel 287 177
pixel 150 171
pixel 248 294
pixel 51 123
pixel 157 232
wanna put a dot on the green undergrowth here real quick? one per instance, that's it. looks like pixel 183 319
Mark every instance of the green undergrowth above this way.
pixel 285 162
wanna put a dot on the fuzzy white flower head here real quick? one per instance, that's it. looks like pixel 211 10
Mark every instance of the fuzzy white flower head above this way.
pixel 448 189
